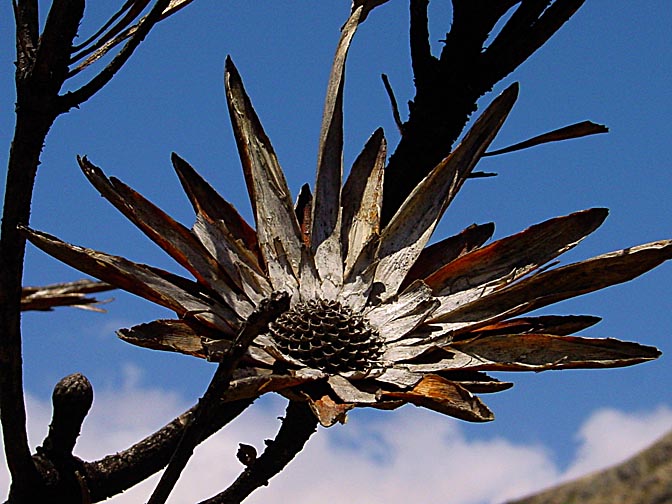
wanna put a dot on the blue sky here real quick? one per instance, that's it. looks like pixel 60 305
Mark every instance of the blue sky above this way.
pixel 611 64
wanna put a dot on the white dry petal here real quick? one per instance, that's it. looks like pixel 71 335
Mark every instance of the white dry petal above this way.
pixel 399 377
pixel 309 282
pixel 362 199
pixel 348 392
pixel 233 257
pixel 406 352
pixel 311 373
pixel 395 319
pixel 277 228
pixel 355 293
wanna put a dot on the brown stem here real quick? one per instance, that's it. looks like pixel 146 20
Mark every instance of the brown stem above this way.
pixel 267 311
pixel 298 425
pixel 121 471
pixel 42 67
pixel 23 160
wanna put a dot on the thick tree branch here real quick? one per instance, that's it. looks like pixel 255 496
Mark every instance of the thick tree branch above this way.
pixel 116 473
pixel 421 53
pixel 36 88
pixel 448 89
pixel 26 19
pixel 527 33
pixel 298 425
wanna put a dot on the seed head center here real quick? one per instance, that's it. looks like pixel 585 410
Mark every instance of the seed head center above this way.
pixel 327 335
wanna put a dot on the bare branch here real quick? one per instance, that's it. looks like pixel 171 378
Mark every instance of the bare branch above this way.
pixel 448 88
pixel 132 9
pixel 298 425
pixel 121 471
pixel 36 88
pixel 76 98
pixel 523 35
pixel 421 54
pixel 115 35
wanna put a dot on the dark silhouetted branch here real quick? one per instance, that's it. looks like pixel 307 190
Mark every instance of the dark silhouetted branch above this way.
pixel 116 473
pixel 448 87
pixel 76 98
pixel 298 425
pixel 267 311
pixel 71 399
pixel 42 67
pixel 393 103
pixel 62 476
pixel 39 73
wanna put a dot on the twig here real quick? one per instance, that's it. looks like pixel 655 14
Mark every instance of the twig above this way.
pixel 393 103
pixel 268 311
pixel 130 10
pixel 76 98
pixel 298 425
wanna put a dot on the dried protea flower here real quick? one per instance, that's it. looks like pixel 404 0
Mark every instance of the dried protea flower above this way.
pixel 377 318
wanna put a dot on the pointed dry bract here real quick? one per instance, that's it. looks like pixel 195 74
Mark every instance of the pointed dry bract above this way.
pixel 150 283
pixel 439 254
pixel 409 230
pixel 438 394
pixel 207 202
pixel 167 335
pixel 512 257
pixel 75 294
pixel 363 199
pixel 577 130
pixel 171 236
pixel 539 352
pixel 556 285
pixel 277 228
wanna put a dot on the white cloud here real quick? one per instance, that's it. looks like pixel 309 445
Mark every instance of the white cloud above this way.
pixel 610 436
pixel 408 455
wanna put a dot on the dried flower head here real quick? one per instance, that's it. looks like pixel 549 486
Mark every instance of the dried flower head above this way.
pixel 377 317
